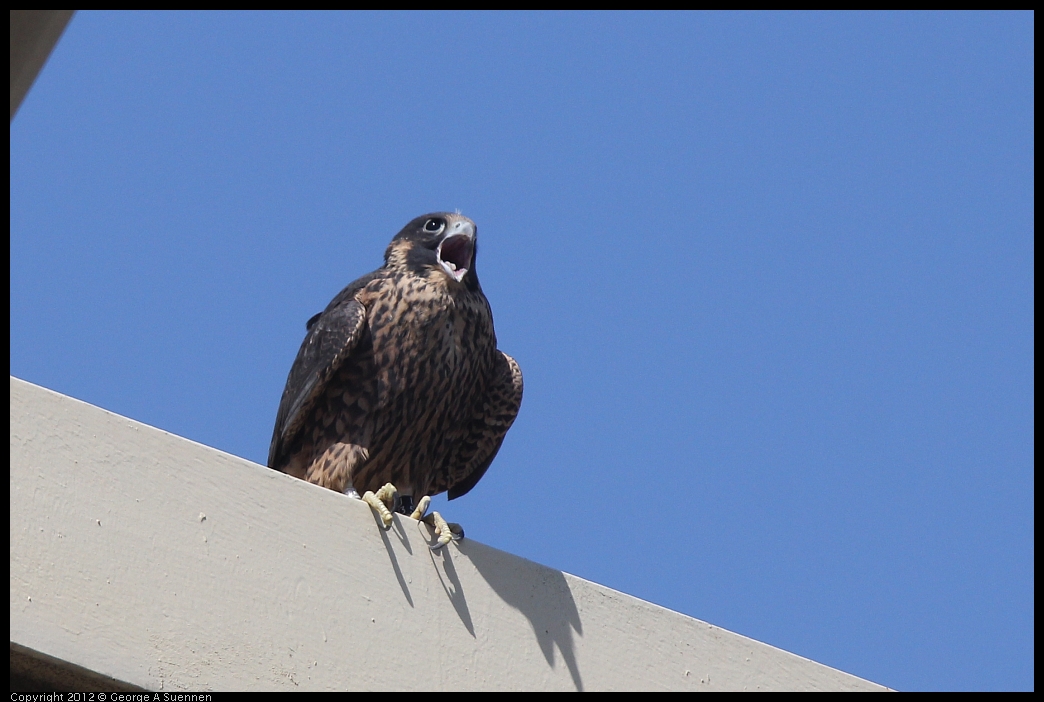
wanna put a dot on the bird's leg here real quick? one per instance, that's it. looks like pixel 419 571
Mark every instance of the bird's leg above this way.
pixel 444 530
pixel 380 501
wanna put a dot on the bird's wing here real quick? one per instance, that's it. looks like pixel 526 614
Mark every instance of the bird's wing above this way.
pixel 494 418
pixel 332 335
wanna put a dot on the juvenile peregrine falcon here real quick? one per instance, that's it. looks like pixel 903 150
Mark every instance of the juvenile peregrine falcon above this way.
pixel 399 391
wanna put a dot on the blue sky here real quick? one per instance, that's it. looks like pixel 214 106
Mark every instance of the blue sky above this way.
pixel 768 276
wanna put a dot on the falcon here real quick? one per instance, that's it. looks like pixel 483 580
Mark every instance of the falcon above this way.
pixel 399 391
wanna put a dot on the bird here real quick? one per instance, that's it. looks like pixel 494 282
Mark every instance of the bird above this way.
pixel 398 391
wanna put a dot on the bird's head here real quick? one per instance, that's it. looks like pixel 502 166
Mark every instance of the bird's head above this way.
pixel 438 246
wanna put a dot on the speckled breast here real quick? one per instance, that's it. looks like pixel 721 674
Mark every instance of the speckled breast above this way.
pixel 433 352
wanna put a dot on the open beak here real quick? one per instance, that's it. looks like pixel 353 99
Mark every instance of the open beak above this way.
pixel 456 251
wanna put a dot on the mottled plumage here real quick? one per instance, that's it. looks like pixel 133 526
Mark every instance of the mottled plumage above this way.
pixel 399 379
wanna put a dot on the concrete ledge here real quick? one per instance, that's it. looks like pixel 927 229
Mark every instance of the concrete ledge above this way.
pixel 148 560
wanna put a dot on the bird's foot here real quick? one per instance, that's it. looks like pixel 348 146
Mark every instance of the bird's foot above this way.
pixel 382 502
pixel 446 531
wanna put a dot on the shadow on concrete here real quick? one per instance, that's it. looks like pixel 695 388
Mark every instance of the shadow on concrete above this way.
pixel 399 527
pixel 391 556
pixel 549 605
pixel 456 592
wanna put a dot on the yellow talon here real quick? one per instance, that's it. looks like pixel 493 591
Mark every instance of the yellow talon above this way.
pixel 444 530
pixel 379 502
pixel 422 507
pixel 387 497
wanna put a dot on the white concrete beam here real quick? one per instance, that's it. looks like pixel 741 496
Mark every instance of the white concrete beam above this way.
pixel 150 560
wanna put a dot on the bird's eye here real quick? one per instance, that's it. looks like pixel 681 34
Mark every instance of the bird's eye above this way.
pixel 434 226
